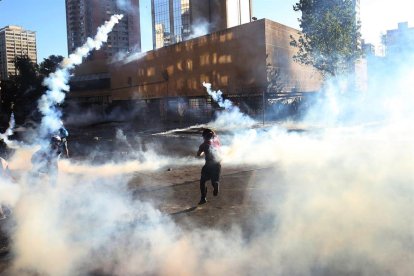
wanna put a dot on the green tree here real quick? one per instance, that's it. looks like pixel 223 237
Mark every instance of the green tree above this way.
pixel 49 65
pixel 21 92
pixel 23 89
pixel 330 35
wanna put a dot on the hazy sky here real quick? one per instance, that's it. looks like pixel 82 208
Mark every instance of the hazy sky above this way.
pixel 48 19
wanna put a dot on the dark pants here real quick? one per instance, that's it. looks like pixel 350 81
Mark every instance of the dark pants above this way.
pixel 209 172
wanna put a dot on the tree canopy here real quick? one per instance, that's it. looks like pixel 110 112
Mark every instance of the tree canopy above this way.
pixel 330 35
pixel 21 92
pixel 49 65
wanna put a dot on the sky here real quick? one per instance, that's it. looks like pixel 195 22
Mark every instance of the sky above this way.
pixel 47 18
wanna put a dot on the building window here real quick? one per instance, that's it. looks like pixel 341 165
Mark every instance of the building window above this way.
pixel 197 103
pixel 150 72
pixel 189 65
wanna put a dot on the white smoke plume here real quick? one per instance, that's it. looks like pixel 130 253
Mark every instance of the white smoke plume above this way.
pixel 231 117
pixel 320 202
pixel 57 82
pixel 198 30
pixel 218 97
pixel 9 193
pixel 125 5
pixel 337 200
pixel 127 57
pixel 9 132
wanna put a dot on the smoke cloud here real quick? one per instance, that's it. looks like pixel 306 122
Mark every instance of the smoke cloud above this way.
pixel 337 200
pixel 9 193
pixel 9 132
pixel 126 57
pixel 57 82
pixel 199 29
pixel 125 5
pixel 231 117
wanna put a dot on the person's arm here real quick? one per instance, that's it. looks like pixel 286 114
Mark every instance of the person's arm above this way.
pixel 66 149
pixel 200 150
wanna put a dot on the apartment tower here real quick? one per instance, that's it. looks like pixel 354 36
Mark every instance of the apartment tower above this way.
pixel 15 42
pixel 83 17
pixel 174 21
pixel 399 42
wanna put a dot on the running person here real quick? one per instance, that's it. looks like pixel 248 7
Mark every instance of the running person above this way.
pixel 63 134
pixel 212 167
pixel 45 160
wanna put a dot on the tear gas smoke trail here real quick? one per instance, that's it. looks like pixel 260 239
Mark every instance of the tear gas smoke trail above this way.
pixel 199 29
pixel 152 162
pixel 343 205
pixel 231 117
pixel 177 130
pixel 325 219
pixel 9 132
pixel 57 82
pixel 217 97
pixel 124 57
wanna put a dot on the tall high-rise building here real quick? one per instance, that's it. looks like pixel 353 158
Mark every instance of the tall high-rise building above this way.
pixel 357 4
pixel 399 42
pixel 368 49
pixel 83 17
pixel 177 20
pixel 14 42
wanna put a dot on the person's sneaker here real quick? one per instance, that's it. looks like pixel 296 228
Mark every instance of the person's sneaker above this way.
pixel 202 201
pixel 216 189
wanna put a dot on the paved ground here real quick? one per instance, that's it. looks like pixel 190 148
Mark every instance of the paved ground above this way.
pixel 177 193
pixel 175 190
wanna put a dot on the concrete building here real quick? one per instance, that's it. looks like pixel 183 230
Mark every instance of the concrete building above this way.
pixel 368 49
pixel 83 17
pixel 15 42
pixel 399 42
pixel 174 21
pixel 357 5
pixel 235 60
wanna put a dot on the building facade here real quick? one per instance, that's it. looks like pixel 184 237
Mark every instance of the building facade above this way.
pixel 174 21
pixel 234 60
pixel 83 17
pixel 15 42
pixel 357 6
pixel 399 42
pixel 368 49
